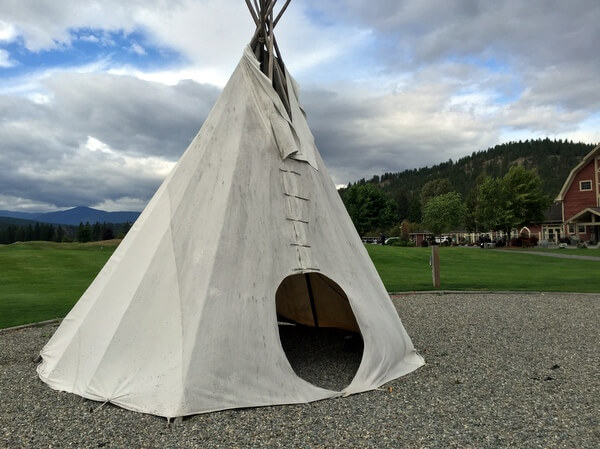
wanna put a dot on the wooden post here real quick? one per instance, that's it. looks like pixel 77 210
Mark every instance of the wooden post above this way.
pixel 435 265
pixel 270 46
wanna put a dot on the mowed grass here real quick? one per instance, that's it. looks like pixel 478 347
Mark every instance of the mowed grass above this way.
pixel 407 269
pixel 42 280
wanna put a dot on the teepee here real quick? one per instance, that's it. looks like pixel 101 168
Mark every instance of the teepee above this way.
pixel 247 229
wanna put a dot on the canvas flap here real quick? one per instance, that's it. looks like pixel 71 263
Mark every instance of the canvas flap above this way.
pixel 292 134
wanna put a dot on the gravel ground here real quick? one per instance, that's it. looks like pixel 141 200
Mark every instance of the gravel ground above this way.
pixel 503 370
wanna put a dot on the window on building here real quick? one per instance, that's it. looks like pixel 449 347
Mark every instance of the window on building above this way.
pixel 581 229
pixel 585 185
pixel 571 228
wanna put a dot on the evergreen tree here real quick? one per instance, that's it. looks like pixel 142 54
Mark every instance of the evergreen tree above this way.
pixel 107 232
pixel 37 232
pixel 20 234
pixel 11 233
pixel 46 232
pixel 60 234
pixel 124 229
pixel 414 210
pixel 84 232
pixel 29 235
pixel 96 232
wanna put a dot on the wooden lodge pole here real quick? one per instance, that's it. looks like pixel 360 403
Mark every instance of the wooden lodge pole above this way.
pixel 435 265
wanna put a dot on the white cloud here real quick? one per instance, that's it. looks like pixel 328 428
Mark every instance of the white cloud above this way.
pixel 121 204
pixel 5 59
pixel 138 49
pixel 98 138
pixel 399 86
pixel 207 75
pixel 40 98
pixel 94 145
pixel 20 204
pixel 7 32
pixel 90 38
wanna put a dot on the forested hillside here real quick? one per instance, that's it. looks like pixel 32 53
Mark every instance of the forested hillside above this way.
pixel 20 230
pixel 551 160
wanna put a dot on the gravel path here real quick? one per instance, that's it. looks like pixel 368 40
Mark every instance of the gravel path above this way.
pixel 503 370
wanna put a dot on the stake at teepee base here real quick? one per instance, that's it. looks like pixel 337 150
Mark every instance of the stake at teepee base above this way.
pixel 247 229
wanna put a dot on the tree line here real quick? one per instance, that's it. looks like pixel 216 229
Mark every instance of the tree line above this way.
pixel 496 200
pixel 550 160
pixel 15 232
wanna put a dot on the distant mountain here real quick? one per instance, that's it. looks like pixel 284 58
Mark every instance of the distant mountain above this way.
pixel 6 221
pixel 75 216
pixel 22 215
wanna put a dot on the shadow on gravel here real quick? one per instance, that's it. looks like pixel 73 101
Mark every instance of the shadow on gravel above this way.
pixel 327 358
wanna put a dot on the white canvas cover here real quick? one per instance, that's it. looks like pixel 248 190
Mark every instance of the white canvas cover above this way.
pixel 183 317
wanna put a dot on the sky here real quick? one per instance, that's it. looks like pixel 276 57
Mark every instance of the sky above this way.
pixel 99 99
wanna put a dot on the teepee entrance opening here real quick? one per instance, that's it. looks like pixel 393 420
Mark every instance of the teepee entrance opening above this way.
pixel 318 330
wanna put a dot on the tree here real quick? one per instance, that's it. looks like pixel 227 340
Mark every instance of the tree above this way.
pixel 414 210
pixel 29 233
pixel 513 201
pixel 526 199
pixel 96 232
pixel 443 213
pixel 20 234
pixel 47 232
pixel 125 227
pixel 405 230
pixel 402 203
pixel 472 222
pixel 489 214
pixel 107 232
pixel 435 188
pixel 84 232
pixel 369 207
pixel 37 232
pixel 60 234
pixel 11 233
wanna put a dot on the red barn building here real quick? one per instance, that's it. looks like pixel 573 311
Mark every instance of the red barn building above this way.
pixel 580 199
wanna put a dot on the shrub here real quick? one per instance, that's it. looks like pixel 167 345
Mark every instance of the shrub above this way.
pixel 402 242
pixel 516 242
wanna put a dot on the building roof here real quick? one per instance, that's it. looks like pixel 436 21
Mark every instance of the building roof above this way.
pixel 553 214
pixel 565 188
pixel 590 210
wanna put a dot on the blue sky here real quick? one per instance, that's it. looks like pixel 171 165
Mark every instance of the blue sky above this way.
pixel 99 99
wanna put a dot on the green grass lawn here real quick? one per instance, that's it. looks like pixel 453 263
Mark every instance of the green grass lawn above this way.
pixel 407 269
pixel 41 281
